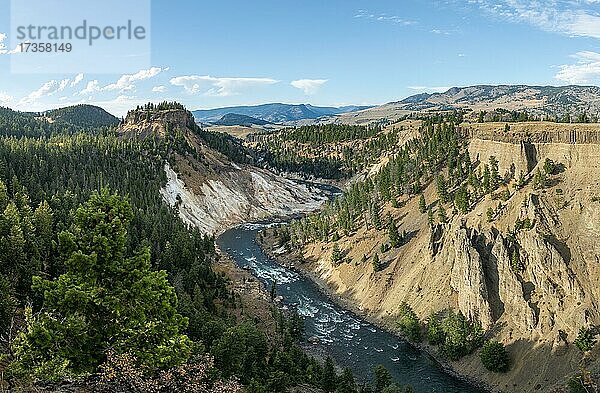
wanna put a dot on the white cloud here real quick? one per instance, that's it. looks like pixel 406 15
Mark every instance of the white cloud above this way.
pixel 430 89
pixel 77 80
pixel 127 82
pixel 63 84
pixel 569 17
pixel 5 98
pixel 4 50
pixel 218 87
pixel 586 70
pixel 91 88
pixel 363 14
pixel 309 86
pixel 45 90
pixel 2 44
pixel 159 89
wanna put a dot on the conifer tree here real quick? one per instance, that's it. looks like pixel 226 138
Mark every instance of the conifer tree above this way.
pixel 461 199
pixel 336 254
pixel 494 174
pixel 376 263
pixel 442 215
pixel 393 233
pixel 105 300
pixel 442 189
pixel 422 204
pixel 430 216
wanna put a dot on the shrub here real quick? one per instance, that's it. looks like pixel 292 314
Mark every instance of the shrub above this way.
pixel 435 332
pixel 576 386
pixel 494 357
pixel 462 336
pixel 549 166
pixel 586 339
pixel 409 324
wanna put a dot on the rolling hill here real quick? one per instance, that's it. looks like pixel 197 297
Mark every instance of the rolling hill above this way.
pixel 538 101
pixel 86 116
pixel 274 113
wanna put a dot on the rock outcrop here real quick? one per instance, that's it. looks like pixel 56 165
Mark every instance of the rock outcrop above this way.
pixel 210 191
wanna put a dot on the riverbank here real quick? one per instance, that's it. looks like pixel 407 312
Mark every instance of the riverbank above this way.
pixel 256 303
pixel 295 262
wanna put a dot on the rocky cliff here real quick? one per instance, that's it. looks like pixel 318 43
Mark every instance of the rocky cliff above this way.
pixel 531 286
pixel 209 190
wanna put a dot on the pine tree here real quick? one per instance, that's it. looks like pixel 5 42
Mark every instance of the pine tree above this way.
pixel 520 181
pixel 494 174
pixel 490 214
pixel 393 234
pixel 336 254
pixel 376 263
pixel 375 214
pixel 442 215
pixel 430 215
pixel 328 379
pixel 442 189
pixel 461 199
pixel 273 289
pixel 487 184
pixel 494 357
pixel 104 300
pixel 422 204
pixel 515 263
pixel 383 378
pixel 539 180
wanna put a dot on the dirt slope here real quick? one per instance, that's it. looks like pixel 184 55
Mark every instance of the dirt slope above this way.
pixel 467 264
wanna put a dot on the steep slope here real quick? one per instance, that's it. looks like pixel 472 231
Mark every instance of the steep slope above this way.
pixel 210 191
pixel 535 100
pixel 274 113
pixel 529 273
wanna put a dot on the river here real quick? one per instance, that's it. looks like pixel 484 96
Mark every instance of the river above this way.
pixel 349 340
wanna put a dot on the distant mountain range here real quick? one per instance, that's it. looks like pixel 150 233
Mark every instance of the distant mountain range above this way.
pixel 546 99
pixel 535 100
pixel 274 113
pixel 233 119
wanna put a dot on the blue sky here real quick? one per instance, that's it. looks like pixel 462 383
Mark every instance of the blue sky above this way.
pixel 336 52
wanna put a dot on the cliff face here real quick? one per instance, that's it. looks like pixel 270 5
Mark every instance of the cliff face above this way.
pixel 532 290
pixel 141 123
pixel 210 191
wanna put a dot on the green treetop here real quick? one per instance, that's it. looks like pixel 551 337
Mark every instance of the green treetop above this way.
pixel 105 300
